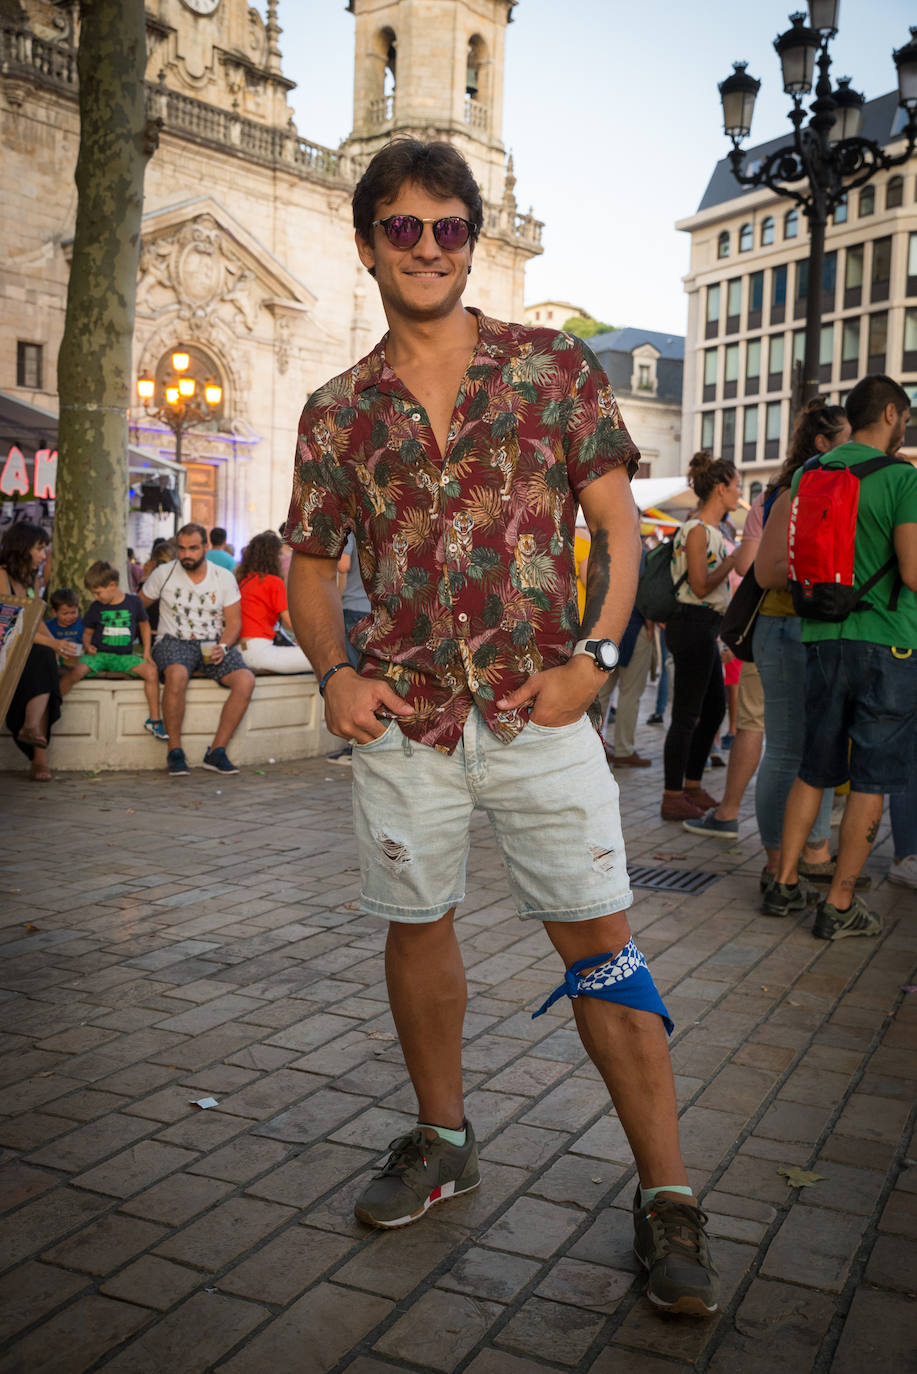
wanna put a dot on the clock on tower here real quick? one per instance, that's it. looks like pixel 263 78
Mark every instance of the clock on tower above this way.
pixel 204 7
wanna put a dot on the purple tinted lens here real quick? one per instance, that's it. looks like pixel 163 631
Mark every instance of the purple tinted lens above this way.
pixel 451 233
pixel 403 230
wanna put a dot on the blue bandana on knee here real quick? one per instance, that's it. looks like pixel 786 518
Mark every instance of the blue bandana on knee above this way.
pixel 622 978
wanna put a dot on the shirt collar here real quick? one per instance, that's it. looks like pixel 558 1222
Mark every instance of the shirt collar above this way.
pixel 497 341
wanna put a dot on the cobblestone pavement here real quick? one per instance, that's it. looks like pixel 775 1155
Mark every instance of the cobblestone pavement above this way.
pixel 172 940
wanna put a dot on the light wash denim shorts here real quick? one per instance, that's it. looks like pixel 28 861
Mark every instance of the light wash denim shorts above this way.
pixel 551 800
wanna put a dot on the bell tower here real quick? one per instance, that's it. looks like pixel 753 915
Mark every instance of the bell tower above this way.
pixel 433 69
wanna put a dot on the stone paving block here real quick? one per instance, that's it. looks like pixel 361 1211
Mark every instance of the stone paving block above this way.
pixel 191 1339
pixel 29 1293
pixel 170 1104
pixel 134 1168
pixel 283 1268
pixel 873 1118
pixel 866 1154
pixel 315 1030
pixel 490 1274
pixel 570 1105
pixel 439 1330
pixel 773 1057
pixel 845 1189
pixel 203 1130
pixel 225 1233
pixel 893 1264
pixel 32 1129
pixel 577 1180
pixel 177 1199
pixel 77 1040
pixel 137 1079
pixel 527 1146
pixel 393 1268
pixel 270 1094
pixel 816 1256
pixel 75 1338
pixel 82 1148
pixel 614 1359
pixel 900 1215
pixel 737 1089
pixel 609 1241
pixel 816 1087
pixel 104 1245
pixel 19 1183
pixel 585 1285
pixel 50 1218
pixel 261 1057
pixel 878 1334
pixel 312 1335
pixel 793 1122
pixel 200 1050
pixel 325 1109
pixel 777 1326
pixel 551 1330
pixel 37 1092
pixel 240 1160
pixel 310 1174
pixel 707 1135
pixel 532 1227
pixel 152 1282
pixel 489 1111
pixel 87 1104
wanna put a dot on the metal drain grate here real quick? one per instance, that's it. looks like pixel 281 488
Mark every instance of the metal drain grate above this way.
pixel 688 880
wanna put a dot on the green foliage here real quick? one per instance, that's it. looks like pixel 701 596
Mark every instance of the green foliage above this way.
pixel 586 329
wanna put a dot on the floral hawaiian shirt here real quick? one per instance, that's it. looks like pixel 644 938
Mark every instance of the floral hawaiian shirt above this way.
pixel 467 557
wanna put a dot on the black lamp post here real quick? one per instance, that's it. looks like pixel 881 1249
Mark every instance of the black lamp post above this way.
pixel 827 156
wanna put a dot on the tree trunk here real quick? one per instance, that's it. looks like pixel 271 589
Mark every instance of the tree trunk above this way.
pixel 94 363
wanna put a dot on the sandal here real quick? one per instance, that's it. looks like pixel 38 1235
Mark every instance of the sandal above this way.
pixel 29 736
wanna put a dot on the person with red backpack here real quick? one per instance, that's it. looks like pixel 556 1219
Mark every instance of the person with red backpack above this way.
pixel 845 539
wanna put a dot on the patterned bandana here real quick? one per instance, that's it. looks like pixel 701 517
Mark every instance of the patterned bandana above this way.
pixel 621 978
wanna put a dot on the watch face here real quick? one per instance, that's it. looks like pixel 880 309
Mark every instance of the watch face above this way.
pixel 201 6
pixel 606 652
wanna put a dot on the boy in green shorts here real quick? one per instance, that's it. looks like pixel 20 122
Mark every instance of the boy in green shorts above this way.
pixel 110 626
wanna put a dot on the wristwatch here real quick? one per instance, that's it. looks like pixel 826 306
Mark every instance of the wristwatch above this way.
pixel 605 652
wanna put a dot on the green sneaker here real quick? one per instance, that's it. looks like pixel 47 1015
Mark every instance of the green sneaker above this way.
pixel 417 1174
pixel 782 899
pixel 831 924
pixel 670 1242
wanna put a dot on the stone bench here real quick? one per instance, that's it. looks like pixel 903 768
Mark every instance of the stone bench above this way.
pixel 101 725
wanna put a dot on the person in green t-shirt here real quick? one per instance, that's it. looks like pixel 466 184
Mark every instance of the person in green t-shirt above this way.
pixel 861 672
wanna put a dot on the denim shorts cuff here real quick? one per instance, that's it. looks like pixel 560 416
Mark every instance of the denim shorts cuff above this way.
pixel 814 780
pixel 408 915
pixel 581 913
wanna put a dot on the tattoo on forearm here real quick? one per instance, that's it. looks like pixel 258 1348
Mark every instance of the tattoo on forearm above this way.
pixel 872 831
pixel 598 578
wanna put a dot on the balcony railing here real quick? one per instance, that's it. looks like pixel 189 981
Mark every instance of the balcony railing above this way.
pixel 476 114
pixel 381 111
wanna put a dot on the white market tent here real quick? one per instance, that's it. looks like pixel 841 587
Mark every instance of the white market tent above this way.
pixel 672 493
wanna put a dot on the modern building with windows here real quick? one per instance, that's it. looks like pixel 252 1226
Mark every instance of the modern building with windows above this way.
pixel 645 370
pixel 748 288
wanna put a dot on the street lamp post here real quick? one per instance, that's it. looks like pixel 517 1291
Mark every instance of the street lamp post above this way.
pixel 180 412
pixel 827 156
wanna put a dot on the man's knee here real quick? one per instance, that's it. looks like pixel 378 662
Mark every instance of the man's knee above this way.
pixel 241 682
pixel 408 937
pixel 176 677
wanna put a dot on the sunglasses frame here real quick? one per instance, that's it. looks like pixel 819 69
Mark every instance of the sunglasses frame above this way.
pixel 472 230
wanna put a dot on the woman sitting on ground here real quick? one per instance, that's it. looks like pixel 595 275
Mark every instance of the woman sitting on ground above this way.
pixel 264 603
pixel 36 701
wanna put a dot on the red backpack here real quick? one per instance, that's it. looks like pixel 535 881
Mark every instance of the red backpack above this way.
pixel 821 537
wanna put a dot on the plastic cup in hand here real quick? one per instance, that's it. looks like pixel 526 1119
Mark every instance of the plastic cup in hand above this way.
pixel 207 648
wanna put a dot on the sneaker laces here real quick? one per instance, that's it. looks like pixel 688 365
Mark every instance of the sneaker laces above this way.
pixel 406 1150
pixel 679 1228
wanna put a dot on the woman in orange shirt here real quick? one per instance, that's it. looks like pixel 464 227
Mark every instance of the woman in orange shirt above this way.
pixel 264 603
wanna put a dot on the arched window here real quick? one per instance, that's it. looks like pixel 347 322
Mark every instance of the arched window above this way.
pixel 867 204
pixel 791 223
pixel 894 193
pixel 477 83
pixel 767 231
pixel 746 238
pixel 840 211
pixel 382 76
pixel 722 244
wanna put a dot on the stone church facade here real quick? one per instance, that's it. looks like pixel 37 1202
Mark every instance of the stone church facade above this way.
pixel 247 257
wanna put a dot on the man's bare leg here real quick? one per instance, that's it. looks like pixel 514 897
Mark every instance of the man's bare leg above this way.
pixel 744 757
pixel 629 1050
pixel 428 995
pixel 801 810
pixel 862 816
pixel 173 702
pixel 241 684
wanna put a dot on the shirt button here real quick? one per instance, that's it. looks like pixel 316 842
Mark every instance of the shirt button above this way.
pixel 462 617
pixel 416 415
pixel 453 548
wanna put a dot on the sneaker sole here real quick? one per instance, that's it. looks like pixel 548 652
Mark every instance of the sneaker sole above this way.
pixel 441 1194
pixel 843 933
pixel 685 1305
pixel 212 768
pixel 695 828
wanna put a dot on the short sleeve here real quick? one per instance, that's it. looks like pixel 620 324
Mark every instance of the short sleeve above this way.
pixel 596 438
pixel 278 595
pixel 230 586
pixel 92 620
pixel 754 521
pixel 139 610
pixel 153 584
pixel 906 499
pixel 318 518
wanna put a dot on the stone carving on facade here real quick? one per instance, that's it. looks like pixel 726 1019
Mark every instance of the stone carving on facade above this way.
pixel 194 271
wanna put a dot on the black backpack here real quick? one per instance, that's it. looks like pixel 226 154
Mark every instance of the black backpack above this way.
pixel 657 597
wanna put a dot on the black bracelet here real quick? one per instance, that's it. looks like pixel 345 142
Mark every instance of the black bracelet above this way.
pixel 330 673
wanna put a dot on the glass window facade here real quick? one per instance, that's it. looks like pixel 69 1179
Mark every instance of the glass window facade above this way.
pixel 776 349
pixel 731 369
pixel 791 224
pixel 746 238
pixel 710 367
pixel 773 416
pixel 706 429
pixel 753 358
pixel 734 296
pixel 767 231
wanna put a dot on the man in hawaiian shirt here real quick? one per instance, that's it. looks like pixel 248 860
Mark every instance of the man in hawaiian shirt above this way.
pixel 457 452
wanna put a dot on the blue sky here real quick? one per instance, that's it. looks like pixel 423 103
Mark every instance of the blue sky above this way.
pixel 614 121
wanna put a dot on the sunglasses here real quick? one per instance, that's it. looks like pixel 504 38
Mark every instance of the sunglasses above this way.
pixel 403 231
